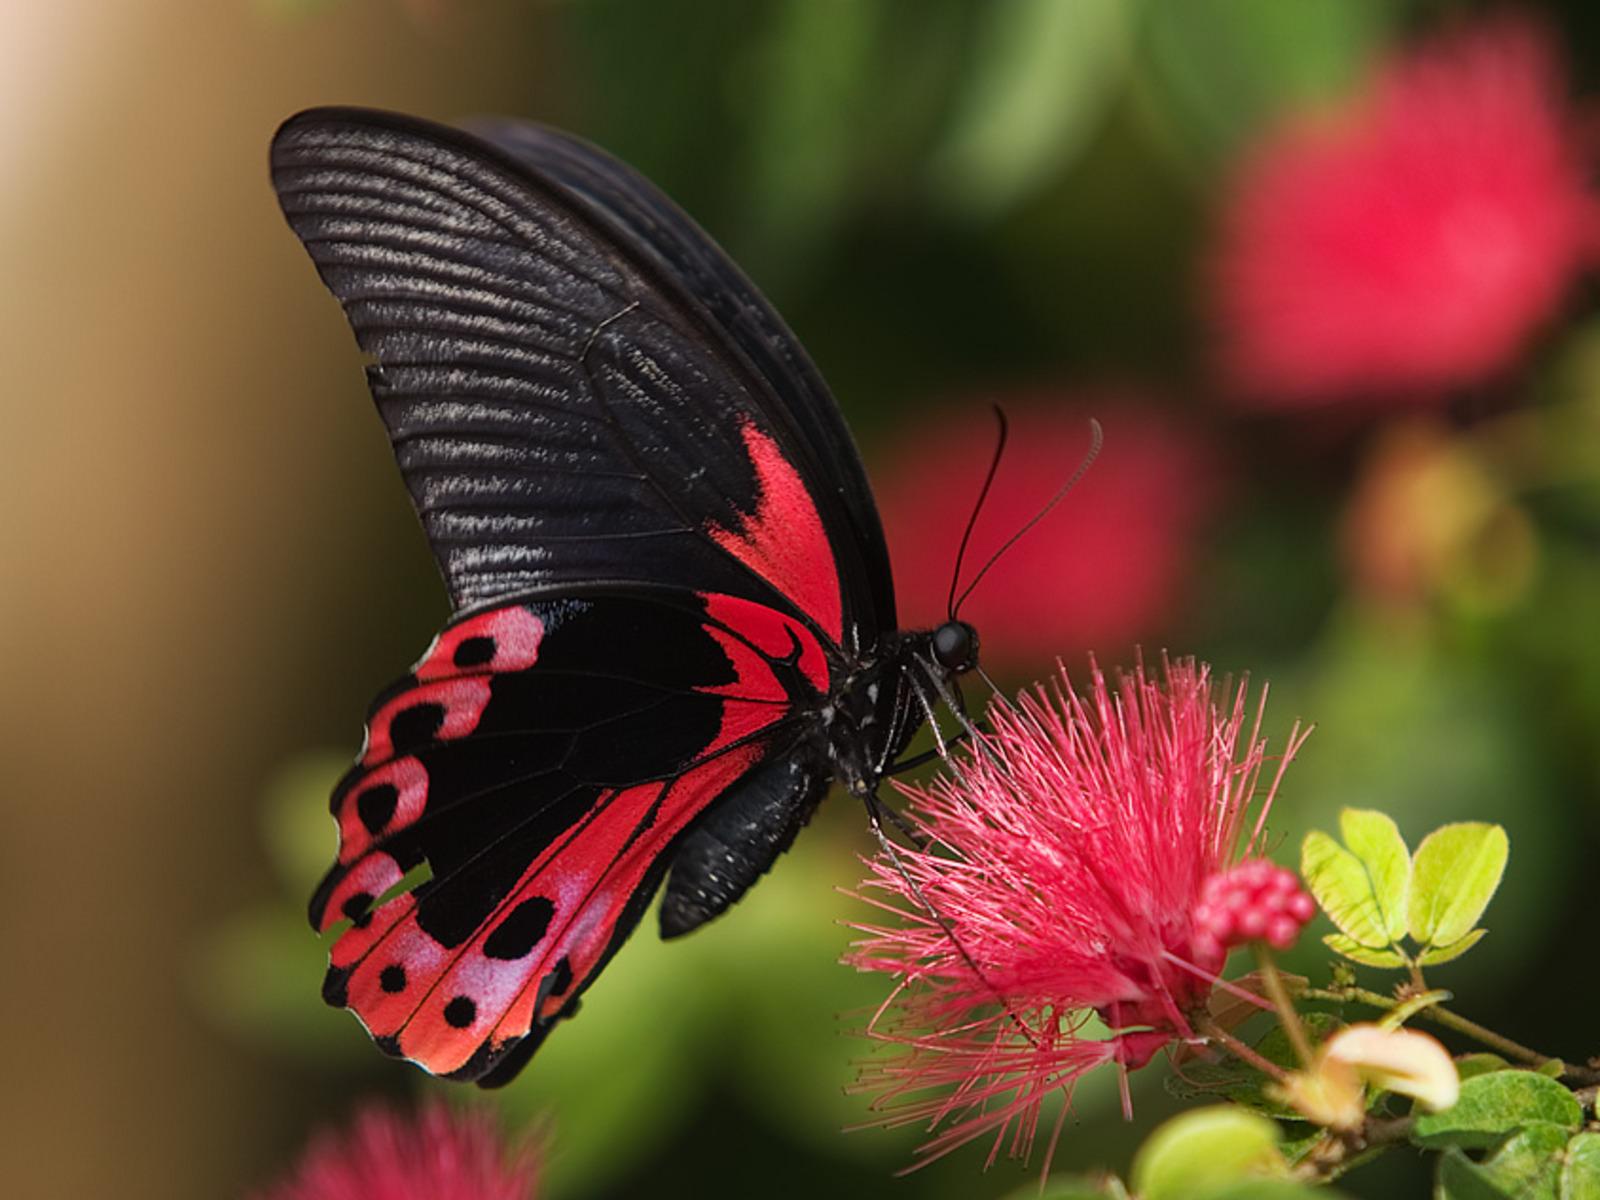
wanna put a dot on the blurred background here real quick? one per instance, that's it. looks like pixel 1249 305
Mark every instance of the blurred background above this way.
pixel 1321 268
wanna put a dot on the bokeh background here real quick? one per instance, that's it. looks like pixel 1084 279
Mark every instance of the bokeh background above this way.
pixel 1338 326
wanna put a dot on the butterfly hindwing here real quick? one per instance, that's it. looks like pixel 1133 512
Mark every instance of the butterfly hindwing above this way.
pixel 545 760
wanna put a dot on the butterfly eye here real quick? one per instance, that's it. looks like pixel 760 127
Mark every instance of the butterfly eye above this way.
pixel 955 646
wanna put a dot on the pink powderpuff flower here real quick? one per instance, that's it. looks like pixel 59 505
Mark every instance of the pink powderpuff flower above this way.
pixel 439 1154
pixel 1102 571
pixel 1068 851
pixel 1413 240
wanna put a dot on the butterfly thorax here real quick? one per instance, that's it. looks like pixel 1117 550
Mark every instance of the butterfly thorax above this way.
pixel 871 716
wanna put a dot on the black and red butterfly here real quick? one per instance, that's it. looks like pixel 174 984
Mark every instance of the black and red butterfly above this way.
pixel 674 618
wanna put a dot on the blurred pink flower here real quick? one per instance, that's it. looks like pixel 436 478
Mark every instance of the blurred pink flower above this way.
pixel 437 1155
pixel 1412 241
pixel 1069 851
pixel 1104 569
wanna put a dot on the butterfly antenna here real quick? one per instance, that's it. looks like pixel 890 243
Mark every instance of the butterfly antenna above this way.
pixel 1097 439
pixel 972 521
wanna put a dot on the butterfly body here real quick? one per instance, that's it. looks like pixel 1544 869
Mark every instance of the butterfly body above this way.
pixel 674 617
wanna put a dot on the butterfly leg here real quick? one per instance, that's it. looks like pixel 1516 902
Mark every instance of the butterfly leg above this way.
pixel 927 756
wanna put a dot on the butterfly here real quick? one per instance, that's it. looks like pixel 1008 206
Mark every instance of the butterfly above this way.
pixel 674 620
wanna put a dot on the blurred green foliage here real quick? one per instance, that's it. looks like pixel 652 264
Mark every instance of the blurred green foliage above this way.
pixel 950 198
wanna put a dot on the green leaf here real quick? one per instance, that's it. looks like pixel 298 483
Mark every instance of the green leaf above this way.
pixel 1343 888
pixel 1528 1165
pixel 1221 69
pixel 1453 877
pixel 1375 839
pixel 1443 954
pixel 1263 1189
pixel 1459 1178
pixel 1580 1174
pixel 1205 1148
pixel 1043 76
pixel 1470 1065
pixel 1367 956
pixel 1496 1104
pixel 1299 1139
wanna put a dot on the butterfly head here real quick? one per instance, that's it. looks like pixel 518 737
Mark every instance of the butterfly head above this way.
pixel 955 647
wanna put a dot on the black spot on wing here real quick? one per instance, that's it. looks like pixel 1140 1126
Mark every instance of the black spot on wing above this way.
pixel 474 652
pixel 561 978
pixel 460 1012
pixel 415 726
pixel 522 929
pixel 336 986
pixel 358 907
pixel 376 806
pixel 392 979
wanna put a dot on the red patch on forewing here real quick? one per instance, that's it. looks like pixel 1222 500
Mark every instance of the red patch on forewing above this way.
pixel 783 540
pixel 515 632
pixel 588 878
pixel 462 699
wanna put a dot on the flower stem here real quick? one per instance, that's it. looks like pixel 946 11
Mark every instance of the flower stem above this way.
pixel 1288 1015
pixel 1239 1050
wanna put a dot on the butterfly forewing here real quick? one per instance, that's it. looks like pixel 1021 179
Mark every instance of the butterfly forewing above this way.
pixel 562 407
pixel 692 265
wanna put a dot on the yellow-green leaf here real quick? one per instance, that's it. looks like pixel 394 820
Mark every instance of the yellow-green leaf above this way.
pixel 1366 955
pixel 1375 839
pixel 1203 1148
pixel 1343 889
pixel 1443 954
pixel 1453 876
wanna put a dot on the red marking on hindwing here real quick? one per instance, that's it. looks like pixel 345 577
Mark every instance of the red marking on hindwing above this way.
pixel 371 878
pixel 754 638
pixel 409 779
pixel 587 936
pixel 418 955
pixel 463 700
pixel 773 633
pixel 514 632
pixel 588 877
pixel 783 541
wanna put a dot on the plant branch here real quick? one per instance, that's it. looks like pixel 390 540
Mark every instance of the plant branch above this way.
pixel 1462 1025
pixel 1337 1152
